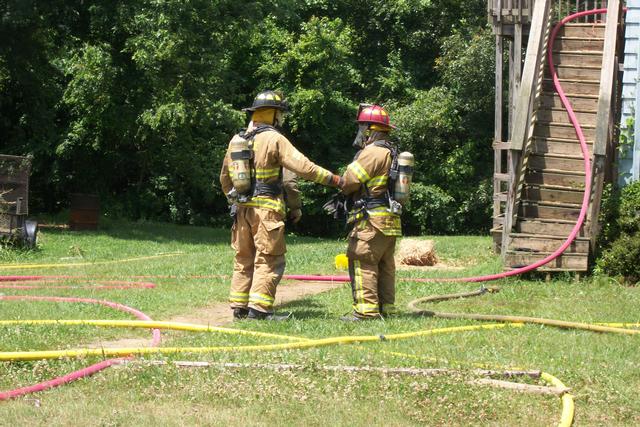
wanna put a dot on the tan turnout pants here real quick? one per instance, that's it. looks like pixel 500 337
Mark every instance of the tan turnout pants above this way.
pixel 258 238
pixel 372 270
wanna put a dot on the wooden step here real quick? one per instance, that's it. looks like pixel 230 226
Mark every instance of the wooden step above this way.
pixel 546 194
pixel 546 210
pixel 590 59
pixel 554 178
pixel 559 115
pixel 565 262
pixel 562 162
pixel 582 31
pixel 568 71
pixel 562 130
pixel 578 102
pixel 558 147
pixel 579 43
pixel 521 242
pixel 577 86
pixel 552 227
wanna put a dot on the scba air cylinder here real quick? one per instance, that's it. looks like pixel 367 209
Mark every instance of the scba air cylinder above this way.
pixel 405 173
pixel 240 169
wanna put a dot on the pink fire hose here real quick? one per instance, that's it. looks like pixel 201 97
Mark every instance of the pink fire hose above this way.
pixel 89 370
pixel 585 198
pixel 156 333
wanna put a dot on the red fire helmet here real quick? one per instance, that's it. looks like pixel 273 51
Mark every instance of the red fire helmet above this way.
pixel 374 114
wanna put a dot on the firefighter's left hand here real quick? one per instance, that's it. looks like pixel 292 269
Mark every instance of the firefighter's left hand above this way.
pixel 295 216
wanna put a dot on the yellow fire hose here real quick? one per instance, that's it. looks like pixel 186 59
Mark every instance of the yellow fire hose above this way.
pixel 304 343
pixel 81 264
pixel 599 327
pixel 146 324
pixel 301 344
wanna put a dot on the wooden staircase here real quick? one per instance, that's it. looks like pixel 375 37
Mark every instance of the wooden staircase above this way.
pixel 553 182
pixel 546 177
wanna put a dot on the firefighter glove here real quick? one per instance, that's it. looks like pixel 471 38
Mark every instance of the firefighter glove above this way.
pixel 295 216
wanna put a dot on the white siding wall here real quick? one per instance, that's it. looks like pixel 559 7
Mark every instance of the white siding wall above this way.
pixel 629 159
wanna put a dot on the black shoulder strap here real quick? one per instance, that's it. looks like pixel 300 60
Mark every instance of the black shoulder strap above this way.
pixel 259 129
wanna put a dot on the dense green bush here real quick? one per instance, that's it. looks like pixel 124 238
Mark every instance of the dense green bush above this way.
pixel 619 243
pixel 629 220
pixel 136 100
pixel 622 259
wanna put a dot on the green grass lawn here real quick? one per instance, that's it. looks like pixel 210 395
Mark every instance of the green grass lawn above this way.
pixel 602 370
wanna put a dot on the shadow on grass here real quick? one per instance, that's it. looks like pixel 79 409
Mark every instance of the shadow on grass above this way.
pixel 159 232
pixel 153 232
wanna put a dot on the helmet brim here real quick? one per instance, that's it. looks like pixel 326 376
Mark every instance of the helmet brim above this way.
pixel 252 109
pixel 391 126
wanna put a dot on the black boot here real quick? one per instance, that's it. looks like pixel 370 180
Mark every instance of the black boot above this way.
pixel 240 313
pixel 261 315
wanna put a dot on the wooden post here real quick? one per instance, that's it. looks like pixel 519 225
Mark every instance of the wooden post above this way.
pixel 609 68
pixel 604 117
pixel 521 118
pixel 497 135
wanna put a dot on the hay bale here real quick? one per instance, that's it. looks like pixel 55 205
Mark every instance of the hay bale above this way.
pixel 416 252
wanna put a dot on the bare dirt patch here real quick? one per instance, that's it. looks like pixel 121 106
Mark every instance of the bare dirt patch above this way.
pixel 219 314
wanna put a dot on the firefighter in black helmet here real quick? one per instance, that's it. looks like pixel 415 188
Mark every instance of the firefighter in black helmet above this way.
pixel 258 230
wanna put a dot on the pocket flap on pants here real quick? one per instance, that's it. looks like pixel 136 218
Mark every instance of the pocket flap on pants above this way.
pixel 273 225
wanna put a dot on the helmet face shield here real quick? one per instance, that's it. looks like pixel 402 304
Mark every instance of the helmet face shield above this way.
pixel 361 137
pixel 279 118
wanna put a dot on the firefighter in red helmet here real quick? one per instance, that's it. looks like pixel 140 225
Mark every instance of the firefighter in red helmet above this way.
pixel 370 183
pixel 257 171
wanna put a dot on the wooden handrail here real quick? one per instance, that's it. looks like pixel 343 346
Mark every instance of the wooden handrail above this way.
pixel 522 116
pixel 532 63
pixel 607 77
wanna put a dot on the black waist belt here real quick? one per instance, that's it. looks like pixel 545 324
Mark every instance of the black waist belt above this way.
pixel 371 202
pixel 264 189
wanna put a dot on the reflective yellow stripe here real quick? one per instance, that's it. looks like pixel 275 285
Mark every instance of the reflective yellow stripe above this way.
pixel 261 299
pixel 365 308
pixel 380 211
pixel 359 294
pixel 238 296
pixel 359 171
pixel 264 202
pixel 267 173
pixel 378 180
pixel 388 228
pixel 322 175
pixel 261 295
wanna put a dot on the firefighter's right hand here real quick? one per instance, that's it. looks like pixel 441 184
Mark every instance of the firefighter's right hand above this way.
pixel 295 216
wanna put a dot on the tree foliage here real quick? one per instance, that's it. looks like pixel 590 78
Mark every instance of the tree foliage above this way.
pixel 136 100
